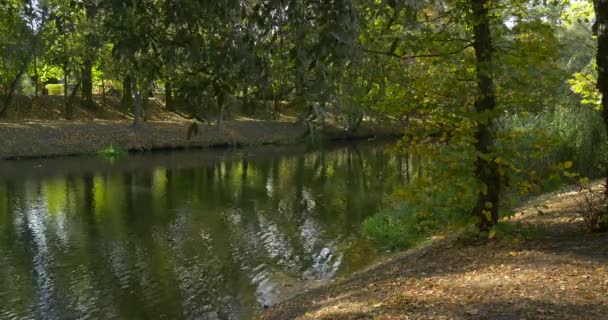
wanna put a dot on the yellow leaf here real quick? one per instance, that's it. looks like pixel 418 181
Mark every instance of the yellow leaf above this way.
pixel 484 189
pixel 568 164
pixel 513 253
pixel 487 214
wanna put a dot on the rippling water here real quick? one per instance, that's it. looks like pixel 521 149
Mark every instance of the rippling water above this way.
pixel 190 235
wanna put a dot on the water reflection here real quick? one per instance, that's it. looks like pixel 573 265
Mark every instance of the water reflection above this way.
pixel 184 236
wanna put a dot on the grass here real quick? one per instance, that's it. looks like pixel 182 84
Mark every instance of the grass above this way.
pixel 535 149
pixel 112 151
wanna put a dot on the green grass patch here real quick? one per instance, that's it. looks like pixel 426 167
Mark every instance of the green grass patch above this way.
pixel 112 151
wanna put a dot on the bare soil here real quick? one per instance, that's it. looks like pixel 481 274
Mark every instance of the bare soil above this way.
pixel 35 128
pixel 548 268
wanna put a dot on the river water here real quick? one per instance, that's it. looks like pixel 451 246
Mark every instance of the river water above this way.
pixel 211 234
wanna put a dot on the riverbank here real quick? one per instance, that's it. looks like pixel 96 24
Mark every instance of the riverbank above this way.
pixel 31 139
pixel 549 269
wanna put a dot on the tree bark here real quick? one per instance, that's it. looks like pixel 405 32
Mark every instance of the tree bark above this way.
pixel 89 57
pixel 103 93
pixel 8 97
pixel 169 97
pixel 35 74
pixel 87 83
pixel 137 107
pixel 601 30
pixel 65 80
pixel 127 93
pixel 486 169
pixel 69 105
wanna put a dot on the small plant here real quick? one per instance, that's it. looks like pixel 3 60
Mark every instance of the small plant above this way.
pixel 112 151
pixel 592 206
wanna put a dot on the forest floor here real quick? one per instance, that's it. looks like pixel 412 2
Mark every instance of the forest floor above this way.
pixel 548 268
pixel 35 128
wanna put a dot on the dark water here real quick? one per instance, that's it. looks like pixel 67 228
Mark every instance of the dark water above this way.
pixel 190 235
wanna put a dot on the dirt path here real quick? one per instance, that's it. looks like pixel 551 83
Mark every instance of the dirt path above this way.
pixel 550 269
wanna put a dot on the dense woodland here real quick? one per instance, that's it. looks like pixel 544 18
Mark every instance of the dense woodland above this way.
pixel 501 98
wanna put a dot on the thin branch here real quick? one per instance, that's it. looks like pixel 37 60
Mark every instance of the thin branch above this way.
pixel 417 56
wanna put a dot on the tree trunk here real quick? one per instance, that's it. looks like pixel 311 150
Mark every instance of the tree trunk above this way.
pixel 87 83
pixel 103 93
pixel 8 96
pixel 220 117
pixel 137 108
pixel 220 107
pixel 89 56
pixel 69 105
pixel 65 81
pixel 486 169
pixel 168 97
pixel 601 30
pixel 35 74
pixel 127 93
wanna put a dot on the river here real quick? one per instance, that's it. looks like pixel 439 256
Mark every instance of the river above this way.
pixel 209 234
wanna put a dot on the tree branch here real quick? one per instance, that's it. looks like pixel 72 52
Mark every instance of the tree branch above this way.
pixel 416 56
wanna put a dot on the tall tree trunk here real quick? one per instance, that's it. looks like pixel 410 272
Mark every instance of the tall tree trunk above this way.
pixel 103 93
pixel 137 107
pixel 486 169
pixel 220 108
pixel 65 80
pixel 89 56
pixel 127 93
pixel 35 74
pixel 168 97
pixel 601 30
pixel 246 108
pixel 87 83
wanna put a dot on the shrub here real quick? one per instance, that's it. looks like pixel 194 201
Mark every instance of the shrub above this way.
pixel 388 230
pixel 592 206
pixel 55 89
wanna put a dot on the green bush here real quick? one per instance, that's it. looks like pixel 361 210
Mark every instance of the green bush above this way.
pixel 55 89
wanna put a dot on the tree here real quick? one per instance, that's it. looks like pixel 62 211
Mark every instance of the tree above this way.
pixel 486 166
pixel 21 26
pixel 600 29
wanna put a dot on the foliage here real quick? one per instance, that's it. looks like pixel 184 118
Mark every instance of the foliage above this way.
pixel 55 89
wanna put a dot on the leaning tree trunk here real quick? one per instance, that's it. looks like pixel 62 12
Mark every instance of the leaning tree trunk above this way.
pixel 601 30
pixel 69 104
pixel 486 169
